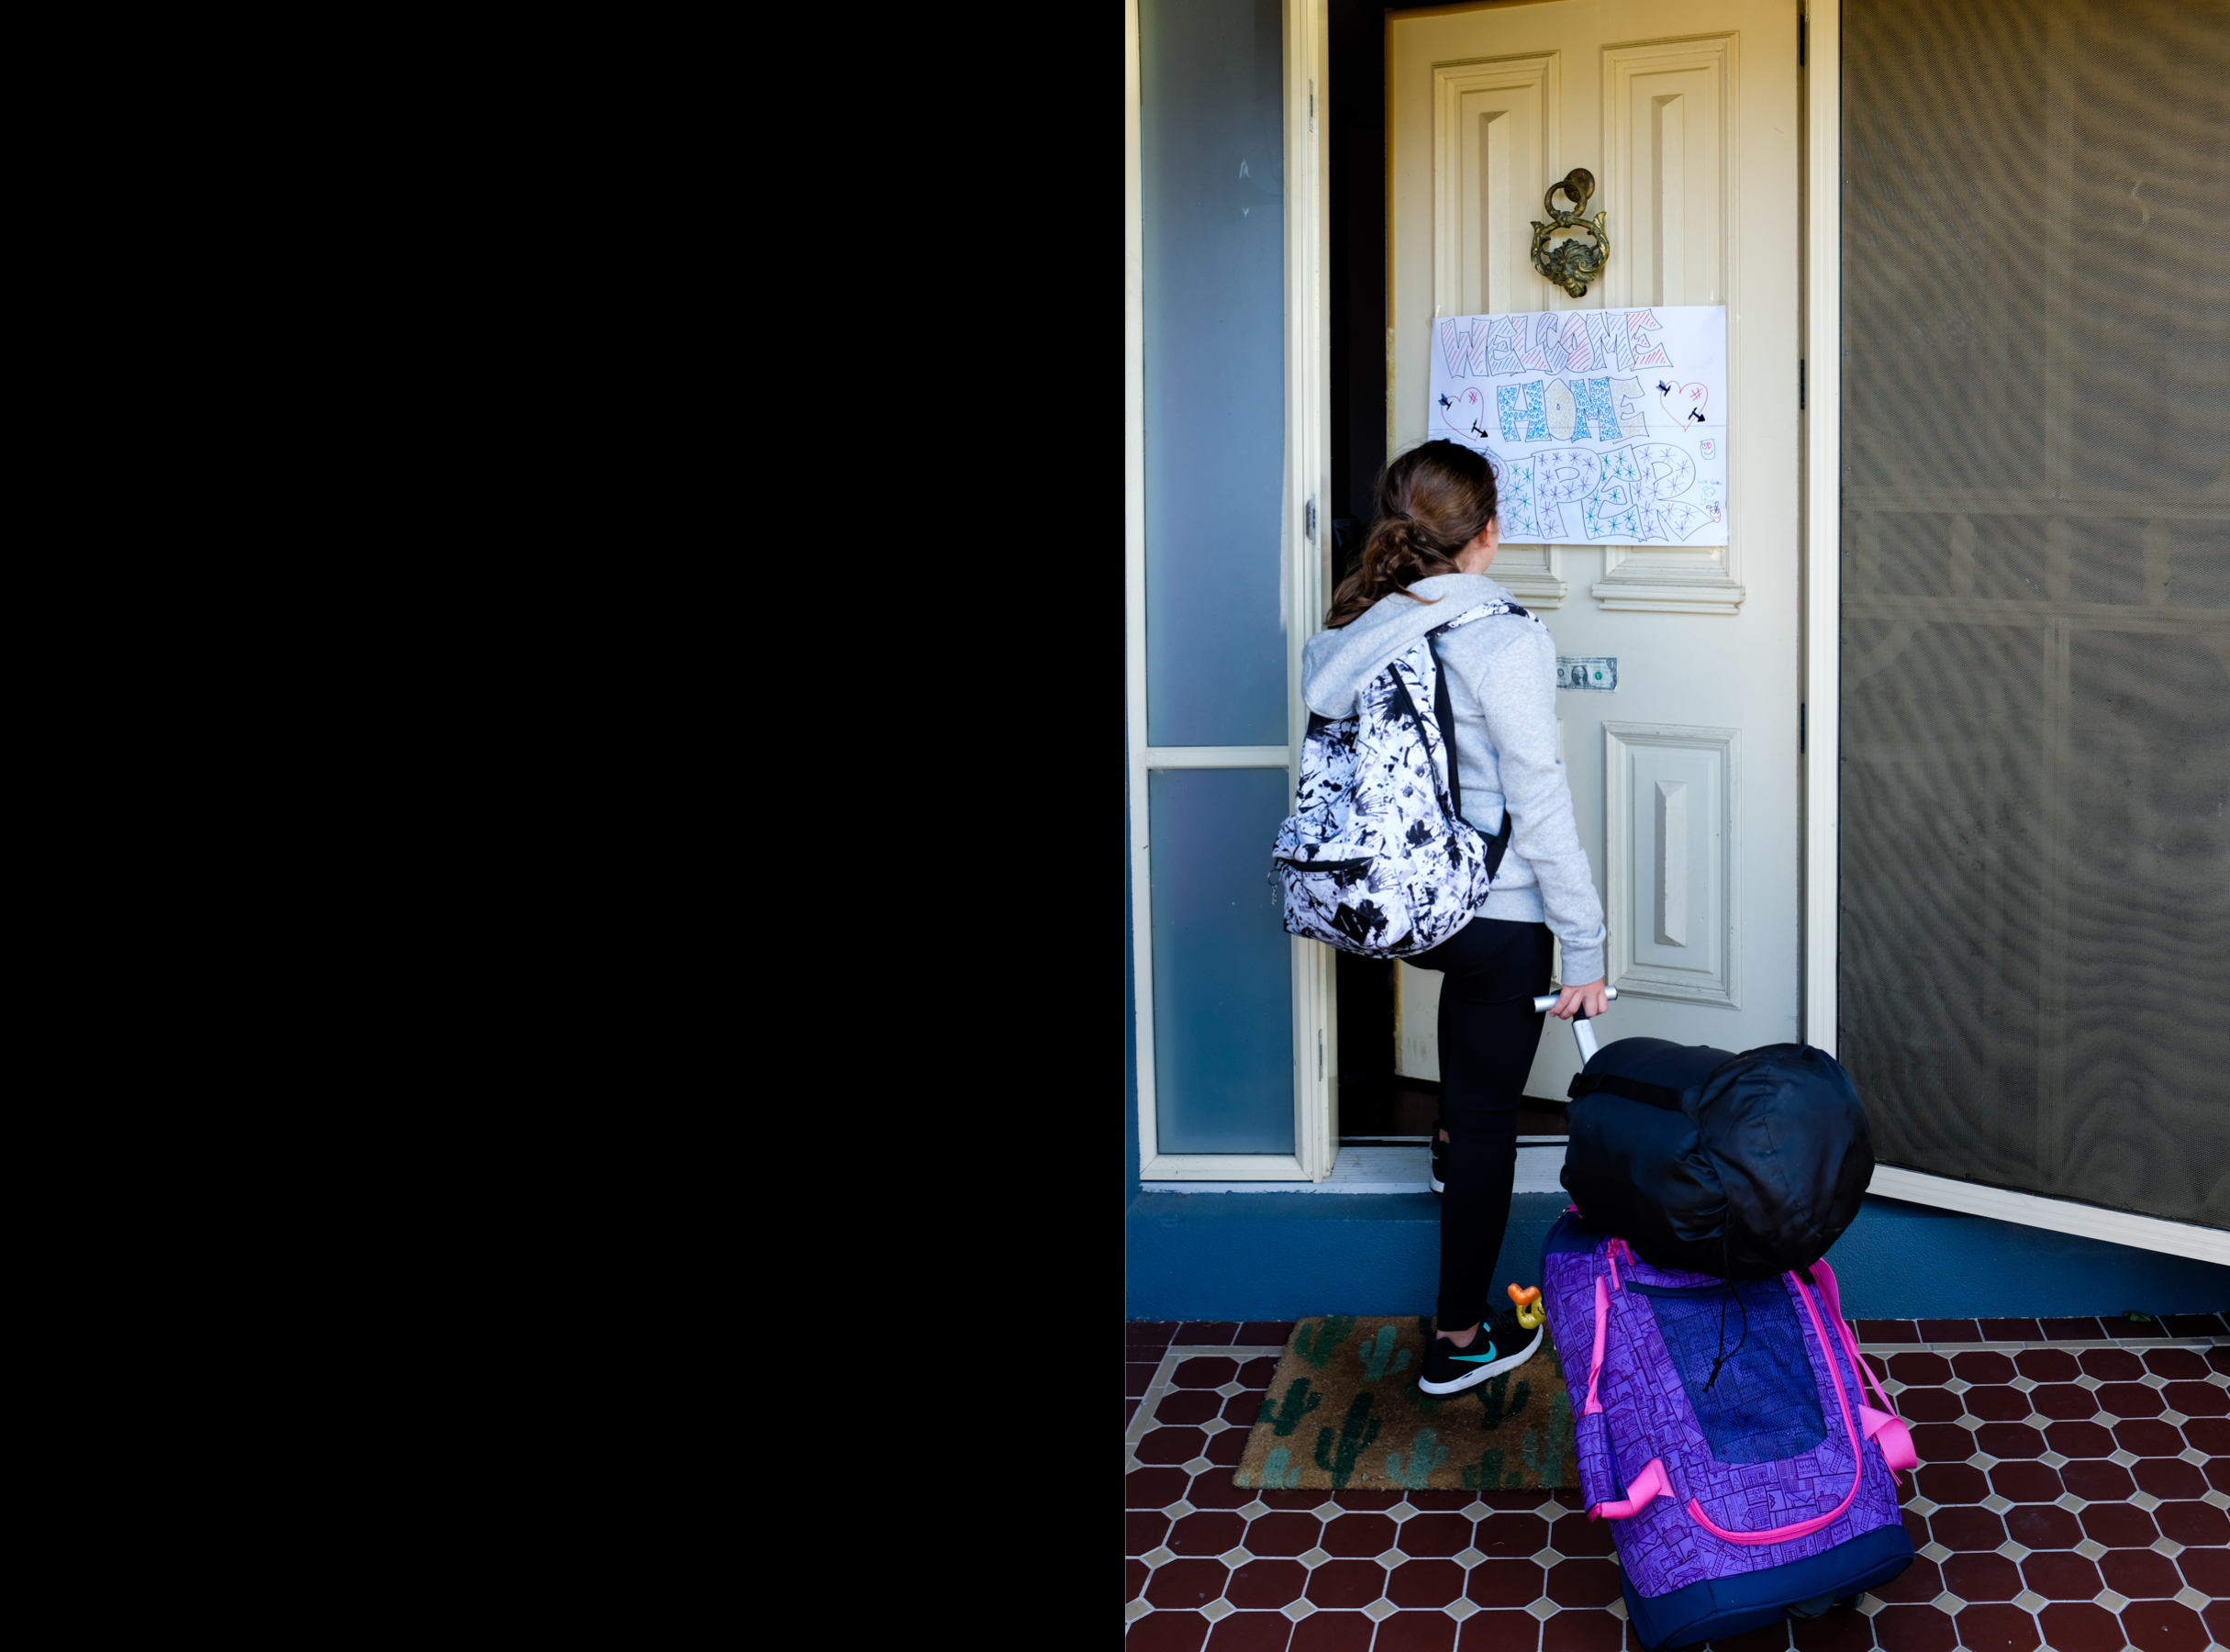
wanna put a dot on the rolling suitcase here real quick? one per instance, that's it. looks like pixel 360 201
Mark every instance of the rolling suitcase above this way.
pixel 1722 1426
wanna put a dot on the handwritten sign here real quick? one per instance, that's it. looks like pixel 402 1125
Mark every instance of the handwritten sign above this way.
pixel 1604 427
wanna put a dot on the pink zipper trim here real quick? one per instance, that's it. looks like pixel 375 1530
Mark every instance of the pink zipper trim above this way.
pixel 1802 1528
pixel 1884 1428
pixel 1602 1323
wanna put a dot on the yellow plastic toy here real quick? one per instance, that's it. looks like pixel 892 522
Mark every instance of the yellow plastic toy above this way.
pixel 1530 1311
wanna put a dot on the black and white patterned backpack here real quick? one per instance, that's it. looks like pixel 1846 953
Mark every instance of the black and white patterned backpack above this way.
pixel 1376 857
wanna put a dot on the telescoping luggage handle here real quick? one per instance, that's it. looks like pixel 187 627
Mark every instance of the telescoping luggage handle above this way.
pixel 1581 1031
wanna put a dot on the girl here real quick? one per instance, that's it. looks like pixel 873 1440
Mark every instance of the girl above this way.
pixel 1424 564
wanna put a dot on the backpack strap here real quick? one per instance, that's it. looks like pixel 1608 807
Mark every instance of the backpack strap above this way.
pixel 1443 708
pixel 1444 712
pixel 1497 845
pixel 1445 715
pixel 1486 610
pixel 1634 1089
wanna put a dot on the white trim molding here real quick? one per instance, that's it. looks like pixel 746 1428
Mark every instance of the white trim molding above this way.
pixel 1304 583
pixel 1134 579
pixel 2058 1215
pixel 1822 584
pixel 1219 757
pixel 1535 575
pixel 1377 1170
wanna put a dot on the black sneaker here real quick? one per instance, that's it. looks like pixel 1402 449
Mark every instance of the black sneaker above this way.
pixel 1501 1345
pixel 1439 1171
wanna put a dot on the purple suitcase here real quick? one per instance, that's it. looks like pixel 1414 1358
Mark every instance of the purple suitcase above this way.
pixel 1721 1426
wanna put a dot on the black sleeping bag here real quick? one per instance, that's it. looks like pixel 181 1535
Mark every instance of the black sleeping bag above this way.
pixel 1740 1166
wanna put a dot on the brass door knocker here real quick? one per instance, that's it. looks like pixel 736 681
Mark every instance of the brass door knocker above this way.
pixel 1570 264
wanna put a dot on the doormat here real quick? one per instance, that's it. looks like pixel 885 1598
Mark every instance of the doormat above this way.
pixel 1344 1410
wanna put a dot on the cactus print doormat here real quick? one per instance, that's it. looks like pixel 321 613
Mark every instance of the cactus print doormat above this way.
pixel 1344 1410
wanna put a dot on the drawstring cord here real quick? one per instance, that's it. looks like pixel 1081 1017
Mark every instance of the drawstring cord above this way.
pixel 1726 1288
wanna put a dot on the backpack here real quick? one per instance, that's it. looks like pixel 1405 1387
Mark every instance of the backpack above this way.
pixel 1376 857
pixel 1741 1166
pixel 1723 1430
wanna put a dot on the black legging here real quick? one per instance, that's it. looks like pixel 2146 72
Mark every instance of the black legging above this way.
pixel 1488 1030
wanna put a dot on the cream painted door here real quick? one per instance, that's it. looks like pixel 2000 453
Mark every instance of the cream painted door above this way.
pixel 1685 777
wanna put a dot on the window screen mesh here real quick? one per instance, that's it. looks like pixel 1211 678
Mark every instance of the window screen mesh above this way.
pixel 2036 636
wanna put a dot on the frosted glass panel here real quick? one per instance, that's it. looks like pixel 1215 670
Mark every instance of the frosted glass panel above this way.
pixel 1215 382
pixel 2036 519
pixel 1222 963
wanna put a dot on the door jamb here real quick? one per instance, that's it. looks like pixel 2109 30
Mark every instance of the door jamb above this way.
pixel 1820 84
pixel 1305 534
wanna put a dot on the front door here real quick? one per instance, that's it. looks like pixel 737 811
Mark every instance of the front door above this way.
pixel 1685 775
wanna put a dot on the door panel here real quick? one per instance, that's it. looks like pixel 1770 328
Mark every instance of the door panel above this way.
pixel 1685 778
pixel 1665 152
pixel 1494 121
pixel 1669 861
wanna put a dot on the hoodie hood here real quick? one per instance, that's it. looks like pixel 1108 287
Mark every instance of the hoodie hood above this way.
pixel 1336 665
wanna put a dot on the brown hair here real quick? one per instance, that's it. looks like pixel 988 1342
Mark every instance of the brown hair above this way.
pixel 1432 501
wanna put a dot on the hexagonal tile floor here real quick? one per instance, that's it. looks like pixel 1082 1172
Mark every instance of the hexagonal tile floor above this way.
pixel 2073 1496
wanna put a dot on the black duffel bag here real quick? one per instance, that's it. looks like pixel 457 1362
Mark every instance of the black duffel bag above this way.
pixel 1740 1166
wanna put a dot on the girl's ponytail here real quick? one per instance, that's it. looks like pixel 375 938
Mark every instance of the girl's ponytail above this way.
pixel 1406 554
pixel 1432 501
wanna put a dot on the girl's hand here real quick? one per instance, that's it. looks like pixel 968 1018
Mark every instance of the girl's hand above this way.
pixel 1587 996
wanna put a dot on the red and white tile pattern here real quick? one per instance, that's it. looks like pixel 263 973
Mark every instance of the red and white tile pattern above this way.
pixel 2074 1497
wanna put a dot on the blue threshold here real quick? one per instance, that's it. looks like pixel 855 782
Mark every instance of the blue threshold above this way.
pixel 1285 1255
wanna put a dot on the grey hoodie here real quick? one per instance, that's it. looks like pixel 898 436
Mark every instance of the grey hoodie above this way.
pixel 1502 686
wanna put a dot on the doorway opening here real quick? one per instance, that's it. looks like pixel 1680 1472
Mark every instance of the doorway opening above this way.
pixel 1378 1103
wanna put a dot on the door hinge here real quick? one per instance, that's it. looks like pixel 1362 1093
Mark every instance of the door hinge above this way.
pixel 1312 519
pixel 1802 22
pixel 1312 106
pixel 1800 383
pixel 1319 1055
pixel 1801 708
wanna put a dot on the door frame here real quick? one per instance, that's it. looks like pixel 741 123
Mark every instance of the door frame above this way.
pixel 1305 580
pixel 1820 83
pixel 1304 585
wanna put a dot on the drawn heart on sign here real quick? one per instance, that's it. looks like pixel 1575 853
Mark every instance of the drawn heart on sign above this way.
pixel 1684 402
pixel 1465 413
